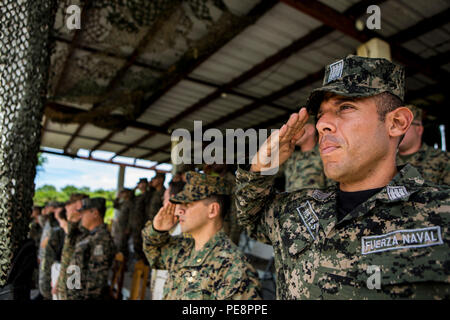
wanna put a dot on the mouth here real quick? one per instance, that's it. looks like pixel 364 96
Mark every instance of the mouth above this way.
pixel 328 149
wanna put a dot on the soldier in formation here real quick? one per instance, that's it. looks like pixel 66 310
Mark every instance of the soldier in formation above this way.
pixel 377 219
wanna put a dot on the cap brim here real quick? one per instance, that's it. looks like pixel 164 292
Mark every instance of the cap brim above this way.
pixel 316 96
pixel 183 197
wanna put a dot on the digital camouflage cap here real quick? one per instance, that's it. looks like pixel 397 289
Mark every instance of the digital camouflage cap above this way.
pixel 359 77
pixel 200 186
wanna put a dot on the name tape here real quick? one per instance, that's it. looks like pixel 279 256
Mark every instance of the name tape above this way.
pixel 401 239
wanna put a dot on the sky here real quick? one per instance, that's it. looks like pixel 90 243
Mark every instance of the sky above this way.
pixel 60 171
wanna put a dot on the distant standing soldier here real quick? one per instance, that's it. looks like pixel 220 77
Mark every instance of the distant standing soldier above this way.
pixel 208 265
pixel 121 227
pixel 94 254
pixel 138 216
pixel 433 164
pixel 53 250
pixel 75 233
pixel 35 226
pixel 156 199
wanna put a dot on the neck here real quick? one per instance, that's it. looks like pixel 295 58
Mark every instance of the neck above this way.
pixel 158 188
pixel 308 145
pixel 377 177
pixel 201 237
pixel 413 149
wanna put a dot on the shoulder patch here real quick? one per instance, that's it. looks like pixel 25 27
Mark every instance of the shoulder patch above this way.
pixel 309 218
pixel 320 195
pixel 401 239
pixel 98 250
pixel 395 193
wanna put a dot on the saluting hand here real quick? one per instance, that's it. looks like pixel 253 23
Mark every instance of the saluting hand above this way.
pixel 165 219
pixel 281 142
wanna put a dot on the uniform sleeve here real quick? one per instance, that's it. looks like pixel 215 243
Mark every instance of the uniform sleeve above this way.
pixel 256 203
pixel 46 267
pixel 159 247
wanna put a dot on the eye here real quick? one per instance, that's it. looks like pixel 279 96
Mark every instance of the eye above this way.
pixel 345 107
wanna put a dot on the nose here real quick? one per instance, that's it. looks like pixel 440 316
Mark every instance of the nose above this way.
pixel 326 123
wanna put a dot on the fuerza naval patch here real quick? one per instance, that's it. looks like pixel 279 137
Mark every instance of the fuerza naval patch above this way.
pixel 401 239
pixel 309 218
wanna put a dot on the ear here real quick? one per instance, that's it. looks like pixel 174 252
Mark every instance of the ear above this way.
pixel 398 121
pixel 213 210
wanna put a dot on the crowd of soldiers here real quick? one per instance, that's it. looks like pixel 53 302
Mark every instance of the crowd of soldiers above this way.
pixel 361 190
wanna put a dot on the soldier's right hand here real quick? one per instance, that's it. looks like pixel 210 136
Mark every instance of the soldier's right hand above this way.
pixel 72 211
pixel 281 142
pixel 165 219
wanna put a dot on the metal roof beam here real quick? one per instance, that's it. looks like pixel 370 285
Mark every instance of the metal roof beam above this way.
pixel 346 25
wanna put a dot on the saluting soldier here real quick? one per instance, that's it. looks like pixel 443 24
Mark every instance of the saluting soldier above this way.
pixel 381 231
pixel 432 164
pixel 75 233
pixel 208 265
pixel 93 255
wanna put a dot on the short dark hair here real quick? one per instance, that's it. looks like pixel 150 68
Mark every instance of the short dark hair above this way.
pixel 102 211
pixel 223 201
pixel 386 102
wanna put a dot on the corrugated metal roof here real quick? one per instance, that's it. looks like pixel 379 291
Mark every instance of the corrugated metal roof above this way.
pixel 275 30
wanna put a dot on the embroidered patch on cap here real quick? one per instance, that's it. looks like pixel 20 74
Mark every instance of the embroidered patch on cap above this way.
pixel 395 193
pixel 400 239
pixel 335 70
pixel 98 251
pixel 309 218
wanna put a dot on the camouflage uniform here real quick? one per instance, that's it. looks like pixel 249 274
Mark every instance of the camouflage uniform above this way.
pixel 305 170
pixel 317 257
pixel 48 226
pixel 93 255
pixel 75 233
pixel 52 255
pixel 433 164
pixel 402 229
pixel 218 271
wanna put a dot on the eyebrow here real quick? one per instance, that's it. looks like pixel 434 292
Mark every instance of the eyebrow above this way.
pixel 338 102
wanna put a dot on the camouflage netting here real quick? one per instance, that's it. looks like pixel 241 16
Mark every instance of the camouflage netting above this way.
pixel 169 31
pixel 24 63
